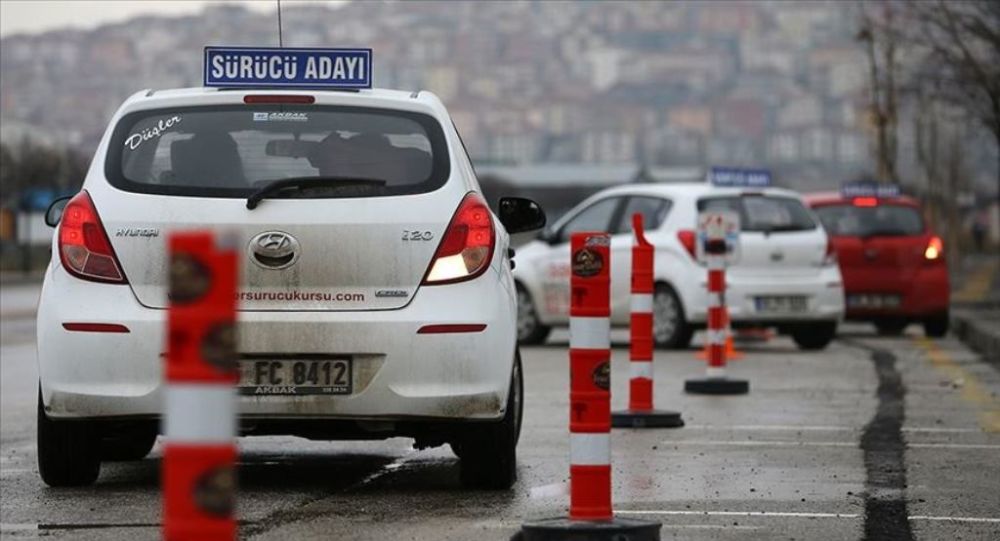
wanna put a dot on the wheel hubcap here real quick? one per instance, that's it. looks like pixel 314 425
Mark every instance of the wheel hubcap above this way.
pixel 665 316
pixel 525 315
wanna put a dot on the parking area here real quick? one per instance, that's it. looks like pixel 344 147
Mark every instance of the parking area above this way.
pixel 870 435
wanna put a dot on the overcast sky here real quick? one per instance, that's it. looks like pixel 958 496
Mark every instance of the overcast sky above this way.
pixel 32 16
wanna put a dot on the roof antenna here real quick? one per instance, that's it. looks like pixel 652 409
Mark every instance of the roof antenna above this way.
pixel 280 42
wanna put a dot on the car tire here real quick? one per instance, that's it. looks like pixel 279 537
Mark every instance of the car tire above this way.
pixel 937 326
pixel 814 336
pixel 68 451
pixel 488 452
pixel 530 330
pixel 128 445
pixel 670 328
pixel 892 327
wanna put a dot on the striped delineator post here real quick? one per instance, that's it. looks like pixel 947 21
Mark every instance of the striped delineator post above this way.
pixel 198 472
pixel 716 380
pixel 590 511
pixel 640 412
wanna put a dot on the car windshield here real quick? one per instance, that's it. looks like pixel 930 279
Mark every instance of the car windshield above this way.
pixel 881 220
pixel 760 213
pixel 232 151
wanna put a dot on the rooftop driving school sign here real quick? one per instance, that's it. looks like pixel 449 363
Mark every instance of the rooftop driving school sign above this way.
pixel 868 188
pixel 270 67
pixel 735 177
pixel 718 236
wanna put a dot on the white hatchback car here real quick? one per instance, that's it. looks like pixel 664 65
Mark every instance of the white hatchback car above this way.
pixel 367 246
pixel 787 276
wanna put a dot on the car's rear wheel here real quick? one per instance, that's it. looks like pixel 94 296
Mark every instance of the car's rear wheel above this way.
pixel 937 326
pixel 487 452
pixel 68 451
pixel 891 327
pixel 670 328
pixel 131 443
pixel 814 336
pixel 530 330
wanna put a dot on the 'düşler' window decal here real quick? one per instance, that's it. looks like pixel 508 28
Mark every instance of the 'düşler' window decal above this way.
pixel 133 141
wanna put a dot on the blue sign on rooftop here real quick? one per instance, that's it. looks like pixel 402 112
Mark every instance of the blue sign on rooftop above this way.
pixel 737 177
pixel 271 67
pixel 869 188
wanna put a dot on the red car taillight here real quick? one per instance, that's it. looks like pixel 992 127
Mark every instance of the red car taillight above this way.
pixel 687 239
pixel 467 246
pixel 935 249
pixel 84 248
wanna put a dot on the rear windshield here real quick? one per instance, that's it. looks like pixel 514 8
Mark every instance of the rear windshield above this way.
pixel 881 220
pixel 230 151
pixel 762 213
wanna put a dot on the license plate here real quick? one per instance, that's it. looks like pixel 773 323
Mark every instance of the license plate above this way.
pixel 867 300
pixel 781 304
pixel 295 377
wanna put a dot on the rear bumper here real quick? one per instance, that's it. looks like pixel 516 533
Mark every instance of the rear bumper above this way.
pixel 397 373
pixel 823 292
pixel 925 294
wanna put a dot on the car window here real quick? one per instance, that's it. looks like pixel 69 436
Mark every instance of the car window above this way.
pixel 230 151
pixel 881 220
pixel 769 214
pixel 653 210
pixel 596 217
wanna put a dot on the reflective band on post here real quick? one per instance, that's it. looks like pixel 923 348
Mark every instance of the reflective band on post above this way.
pixel 715 372
pixel 589 333
pixel 714 300
pixel 638 369
pixel 715 336
pixel 200 413
pixel 642 303
pixel 590 449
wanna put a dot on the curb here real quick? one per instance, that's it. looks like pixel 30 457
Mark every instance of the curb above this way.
pixel 979 334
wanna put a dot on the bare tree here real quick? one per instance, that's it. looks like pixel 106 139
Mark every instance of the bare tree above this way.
pixel 961 64
pixel 880 38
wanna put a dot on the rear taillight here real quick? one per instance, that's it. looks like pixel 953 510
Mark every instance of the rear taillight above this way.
pixel 935 249
pixel 84 248
pixel 467 246
pixel 687 239
pixel 830 257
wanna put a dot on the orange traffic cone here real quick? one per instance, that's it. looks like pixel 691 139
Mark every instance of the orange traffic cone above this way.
pixel 732 354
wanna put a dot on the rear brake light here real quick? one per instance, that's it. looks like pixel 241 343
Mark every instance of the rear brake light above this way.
pixel 687 239
pixel 935 249
pixel 274 98
pixel 865 202
pixel 467 246
pixel 84 248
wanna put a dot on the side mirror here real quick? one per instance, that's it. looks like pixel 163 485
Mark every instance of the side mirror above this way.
pixel 55 211
pixel 518 214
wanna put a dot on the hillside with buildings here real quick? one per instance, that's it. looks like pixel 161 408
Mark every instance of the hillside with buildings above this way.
pixel 649 84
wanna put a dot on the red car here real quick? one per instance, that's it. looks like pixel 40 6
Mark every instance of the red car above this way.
pixel 893 265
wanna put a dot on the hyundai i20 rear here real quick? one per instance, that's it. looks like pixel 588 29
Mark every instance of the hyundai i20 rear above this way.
pixel 893 266
pixel 375 292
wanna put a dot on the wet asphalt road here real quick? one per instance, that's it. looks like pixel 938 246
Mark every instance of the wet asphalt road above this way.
pixel 892 438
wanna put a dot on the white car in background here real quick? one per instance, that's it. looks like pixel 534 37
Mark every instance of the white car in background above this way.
pixel 375 289
pixel 787 276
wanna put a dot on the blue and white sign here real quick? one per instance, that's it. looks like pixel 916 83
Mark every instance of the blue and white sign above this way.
pixel 271 67
pixel 736 177
pixel 869 188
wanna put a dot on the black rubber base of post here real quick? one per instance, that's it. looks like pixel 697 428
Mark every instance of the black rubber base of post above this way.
pixel 564 529
pixel 717 386
pixel 646 419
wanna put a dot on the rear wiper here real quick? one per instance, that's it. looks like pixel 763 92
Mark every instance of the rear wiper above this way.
pixel 275 186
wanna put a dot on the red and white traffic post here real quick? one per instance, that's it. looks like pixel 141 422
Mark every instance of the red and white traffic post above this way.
pixel 199 480
pixel 717 244
pixel 640 412
pixel 590 512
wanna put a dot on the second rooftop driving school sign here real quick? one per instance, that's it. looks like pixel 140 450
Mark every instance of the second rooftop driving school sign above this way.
pixel 270 67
